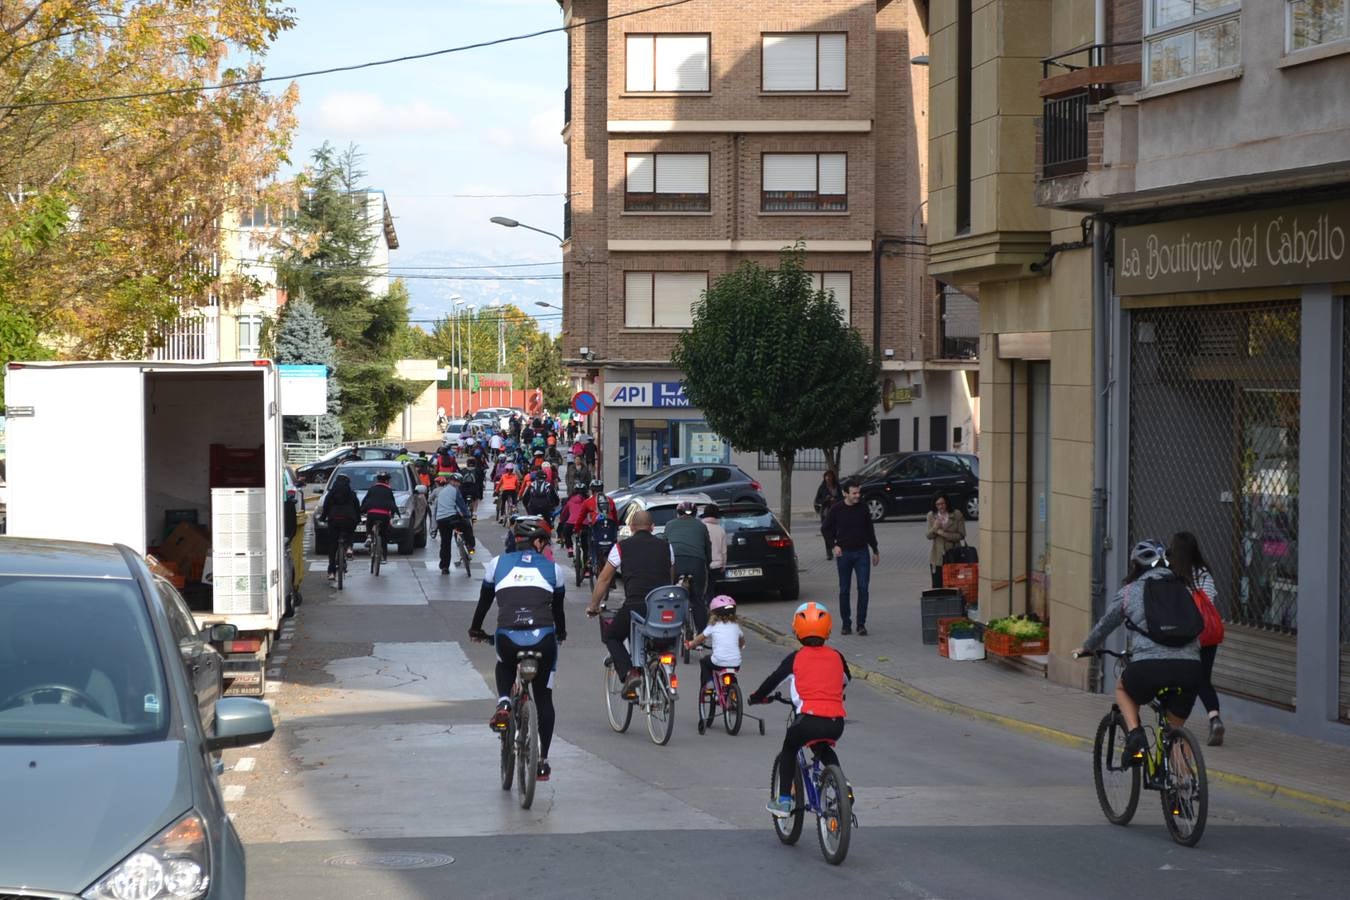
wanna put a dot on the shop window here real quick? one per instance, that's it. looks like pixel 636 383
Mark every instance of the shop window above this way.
pixel 1309 23
pixel 1191 37
pixel 667 182
pixel 805 182
pixel 668 63
pixel 804 62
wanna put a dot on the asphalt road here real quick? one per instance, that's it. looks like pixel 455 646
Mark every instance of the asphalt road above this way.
pixel 382 782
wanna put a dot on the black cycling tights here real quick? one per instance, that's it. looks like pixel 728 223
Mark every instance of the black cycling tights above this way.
pixel 542 686
pixel 802 731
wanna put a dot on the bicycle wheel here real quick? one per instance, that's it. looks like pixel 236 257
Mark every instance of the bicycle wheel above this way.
pixel 834 822
pixel 508 739
pixel 619 710
pixel 527 751
pixel 660 707
pixel 463 553
pixel 579 562
pixel 375 554
pixel 790 828
pixel 733 710
pixel 1185 794
pixel 1117 785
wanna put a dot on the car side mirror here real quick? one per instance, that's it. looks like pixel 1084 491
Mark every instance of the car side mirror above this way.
pixel 240 721
pixel 221 632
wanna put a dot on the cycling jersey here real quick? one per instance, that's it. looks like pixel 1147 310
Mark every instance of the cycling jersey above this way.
pixel 816 678
pixel 528 589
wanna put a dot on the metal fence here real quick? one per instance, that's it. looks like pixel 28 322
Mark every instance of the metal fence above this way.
pixel 1214 442
pixel 299 454
pixel 805 461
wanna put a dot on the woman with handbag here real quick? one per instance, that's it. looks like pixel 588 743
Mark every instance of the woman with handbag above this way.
pixel 946 529
pixel 827 495
pixel 1186 561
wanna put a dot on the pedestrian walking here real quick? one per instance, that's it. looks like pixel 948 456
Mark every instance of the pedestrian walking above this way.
pixel 712 520
pixel 827 495
pixel 847 528
pixel 1188 563
pixel 946 529
pixel 588 454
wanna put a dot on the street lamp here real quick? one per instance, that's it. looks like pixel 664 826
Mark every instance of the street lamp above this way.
pixel 512 223
pixel 547 305
pixel 456 354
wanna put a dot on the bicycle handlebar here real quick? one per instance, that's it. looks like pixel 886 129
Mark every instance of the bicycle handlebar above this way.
pixel 1104 652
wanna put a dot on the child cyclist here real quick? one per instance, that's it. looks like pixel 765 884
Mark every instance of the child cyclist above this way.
pixel 725 635
pixel 817 675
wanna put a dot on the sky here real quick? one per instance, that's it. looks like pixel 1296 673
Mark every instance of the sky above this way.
pixel 478 122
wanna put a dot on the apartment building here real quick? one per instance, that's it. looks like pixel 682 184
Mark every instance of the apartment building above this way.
pixel 1159 206
pixel 707 134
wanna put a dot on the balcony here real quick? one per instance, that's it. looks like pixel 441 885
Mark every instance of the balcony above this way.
pixel 959 325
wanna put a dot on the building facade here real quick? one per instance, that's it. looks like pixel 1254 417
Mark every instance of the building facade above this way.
pixel 705 135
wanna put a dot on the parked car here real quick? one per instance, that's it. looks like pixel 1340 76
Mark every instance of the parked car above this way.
pixel 409 527
pixel 722 482
pixel 663 508
pixel 101 738
pixel 760 554
pixel 901 484
pixel 319 471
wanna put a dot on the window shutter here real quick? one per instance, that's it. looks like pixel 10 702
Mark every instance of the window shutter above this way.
pixel 833 173
pixel 789 172
pixel 675 296
pixel 681 173
pixel 641 67
pixel 841 284
pixel 637 299
pixel 682 62
pixel 789 62
pixel 641 173
pixel 833 66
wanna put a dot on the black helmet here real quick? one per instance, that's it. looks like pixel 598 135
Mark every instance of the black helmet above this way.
pixel 597 485
pixel 382 477
pixel 528 529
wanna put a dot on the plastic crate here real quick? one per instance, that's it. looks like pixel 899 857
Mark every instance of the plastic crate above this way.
pixel 1001 644
pixel 239 582
pixel 939 604
pixel 963 577
pixel 964 649
pixel 238 521
pixel 944 627
pixel 238 500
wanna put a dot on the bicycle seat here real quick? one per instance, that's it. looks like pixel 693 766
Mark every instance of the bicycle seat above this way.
pixel 823 742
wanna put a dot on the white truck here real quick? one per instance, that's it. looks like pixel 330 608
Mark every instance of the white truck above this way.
pixel 141 436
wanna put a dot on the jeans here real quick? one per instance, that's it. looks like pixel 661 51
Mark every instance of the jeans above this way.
pixel 848 562
pixel 803 730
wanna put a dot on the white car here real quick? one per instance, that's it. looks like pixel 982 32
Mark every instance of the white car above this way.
pixel 453 429
pixel 662 508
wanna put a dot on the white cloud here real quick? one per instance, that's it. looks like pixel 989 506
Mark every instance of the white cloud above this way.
pixel 346 113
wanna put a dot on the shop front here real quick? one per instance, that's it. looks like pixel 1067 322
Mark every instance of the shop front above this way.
pixel 649 424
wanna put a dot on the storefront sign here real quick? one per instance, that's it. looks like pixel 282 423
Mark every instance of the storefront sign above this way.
pixel 1261 248
pixel 495 380
pixel 657 394
pixel 893 394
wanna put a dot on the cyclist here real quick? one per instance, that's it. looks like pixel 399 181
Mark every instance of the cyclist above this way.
pixel 539 494
pixel 1151 587
pixel 445 462
pixel 645 562
pixel 529 591
pixel 726 637
pixel 379 506
pixel 692 544
pixel 507 488
pixel 596 518
pixel 341 510
pixel 452 514
pixel 818 675
pixel 570 510
pixel 474 473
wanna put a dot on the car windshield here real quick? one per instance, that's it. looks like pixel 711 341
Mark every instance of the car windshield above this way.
pixel 454 425
pixel 364 476
pixel 333 454
pixel 875 467
pixel 647 481
pixel 661 515
pixel 734 522
pixel 78 662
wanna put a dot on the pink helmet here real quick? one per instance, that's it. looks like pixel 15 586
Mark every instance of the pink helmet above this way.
pixel 721 601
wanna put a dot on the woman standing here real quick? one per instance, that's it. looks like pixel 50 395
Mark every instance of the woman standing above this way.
pixel 712 520
pixel 946 529
pixel 827 495
pixel 1189 564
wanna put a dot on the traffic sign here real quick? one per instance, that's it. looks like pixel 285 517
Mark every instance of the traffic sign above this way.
pixel 584 403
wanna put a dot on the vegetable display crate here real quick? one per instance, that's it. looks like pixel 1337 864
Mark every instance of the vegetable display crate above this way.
pixel 963 577
pixel 944 629
pixel 1000 644
pixel 964 649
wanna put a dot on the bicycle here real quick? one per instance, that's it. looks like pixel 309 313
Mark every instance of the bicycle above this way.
pixel 724 695
pixel 520 737
pixel 377 549
pixel 581 562
pixel 341 557
pixel 1184 794
pixel 819 789
pixel 659 687
pixel 463 548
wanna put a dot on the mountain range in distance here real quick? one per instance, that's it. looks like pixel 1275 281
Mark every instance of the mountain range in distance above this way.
pixel 432 286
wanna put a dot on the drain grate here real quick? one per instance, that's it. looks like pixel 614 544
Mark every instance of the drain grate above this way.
pixel 390 859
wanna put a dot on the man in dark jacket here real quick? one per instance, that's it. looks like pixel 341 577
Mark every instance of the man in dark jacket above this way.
pixel 379 506
pixel 848 528
pixel 689 538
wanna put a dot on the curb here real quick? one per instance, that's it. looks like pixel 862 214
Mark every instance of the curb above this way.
pixel 1053 735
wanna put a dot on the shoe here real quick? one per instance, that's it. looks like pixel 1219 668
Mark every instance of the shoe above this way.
pixel 501 717
pixel 630 687
pixel 332 576
pixel 829 557
pixel 472 551
pixel 862 631
pixel 445 571
pixel 781 808
pixel 848 629
pixel 1136 745
pixel 544 771
pixel 1215 732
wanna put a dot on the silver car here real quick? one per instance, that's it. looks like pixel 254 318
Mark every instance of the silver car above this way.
pixel 101 745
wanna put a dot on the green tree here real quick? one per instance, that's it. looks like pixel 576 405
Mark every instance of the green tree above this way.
pixel 775 368
pixel 547 373
pixel 302 339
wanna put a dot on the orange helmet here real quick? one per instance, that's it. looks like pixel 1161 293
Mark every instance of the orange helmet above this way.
pixel 812 620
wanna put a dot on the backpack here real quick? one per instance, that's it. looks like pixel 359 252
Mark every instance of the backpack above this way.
pixel 1171 617
pixel 542 494
pixel 1212 635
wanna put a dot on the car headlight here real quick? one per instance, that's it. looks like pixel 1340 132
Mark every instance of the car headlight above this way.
pixel 174 863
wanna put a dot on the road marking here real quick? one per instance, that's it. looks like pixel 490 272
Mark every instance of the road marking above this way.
pixel 245 764
pixel 283 645
pixel 233 792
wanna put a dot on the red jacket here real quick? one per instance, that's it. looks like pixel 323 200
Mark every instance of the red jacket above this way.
pixel 816 678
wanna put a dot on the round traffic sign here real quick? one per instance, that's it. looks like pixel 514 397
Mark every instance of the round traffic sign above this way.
pixel 584 403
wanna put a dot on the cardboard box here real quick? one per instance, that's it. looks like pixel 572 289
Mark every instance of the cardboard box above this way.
pixel 186 547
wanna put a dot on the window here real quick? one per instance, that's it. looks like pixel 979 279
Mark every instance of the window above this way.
pixel 667 182
pixel 1191 37
pixel 250 336
pixel 1313 22
pixel 667 62
pixel 662 299
pixel 805 182
pixel 804 62
pixel 911 467
pixel 840 283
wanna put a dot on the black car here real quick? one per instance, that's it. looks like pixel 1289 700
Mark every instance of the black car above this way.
pixel 319 471
pixel 722 482
pixel 760 554
pixel 904 484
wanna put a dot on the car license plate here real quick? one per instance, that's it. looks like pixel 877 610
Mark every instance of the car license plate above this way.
pixel 360 529
pixel 744 573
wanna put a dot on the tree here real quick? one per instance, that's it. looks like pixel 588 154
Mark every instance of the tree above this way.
pixel 547 373
pixel 478 328
pixel 775 368
pixel 302 339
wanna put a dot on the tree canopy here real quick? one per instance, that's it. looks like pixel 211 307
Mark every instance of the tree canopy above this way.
pixel 774 366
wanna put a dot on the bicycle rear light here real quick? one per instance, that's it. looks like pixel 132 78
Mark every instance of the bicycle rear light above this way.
pixel 667 615
pixel 726 679
pixel 667 659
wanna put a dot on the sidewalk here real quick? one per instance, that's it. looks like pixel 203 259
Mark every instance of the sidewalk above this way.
pixel 894 657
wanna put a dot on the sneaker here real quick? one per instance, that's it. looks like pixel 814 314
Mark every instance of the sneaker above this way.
pixel 445 571
pixel 1136 745
pixel 332 576
pixel 544 771
pixel 780 808
pixel 630 687
pixel 1215 732
pixel 862 631
pixel 848 629
pixel 501 717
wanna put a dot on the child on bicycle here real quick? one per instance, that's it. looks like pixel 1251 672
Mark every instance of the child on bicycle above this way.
pixel 818 675
pixel 725 635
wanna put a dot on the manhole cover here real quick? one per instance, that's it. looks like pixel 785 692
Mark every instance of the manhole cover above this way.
pixel 392 859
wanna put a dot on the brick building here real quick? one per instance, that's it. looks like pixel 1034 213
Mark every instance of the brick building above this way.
pixel 710 133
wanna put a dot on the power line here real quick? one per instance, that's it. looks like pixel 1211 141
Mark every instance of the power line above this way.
pixel 245 82
pixel 272 265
